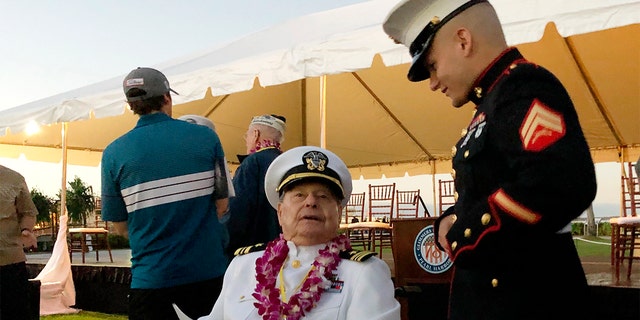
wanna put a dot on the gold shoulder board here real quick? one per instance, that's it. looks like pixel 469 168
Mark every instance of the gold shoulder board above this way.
pixel 249 249
pixel 357 255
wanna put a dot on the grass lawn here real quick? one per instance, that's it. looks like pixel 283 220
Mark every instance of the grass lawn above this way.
pixel 593 246
pixel 84 315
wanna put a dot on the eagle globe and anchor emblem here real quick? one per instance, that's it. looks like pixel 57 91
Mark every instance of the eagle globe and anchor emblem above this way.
pixel 427 255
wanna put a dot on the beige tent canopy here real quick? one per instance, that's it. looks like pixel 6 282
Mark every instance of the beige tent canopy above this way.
pixel 342 84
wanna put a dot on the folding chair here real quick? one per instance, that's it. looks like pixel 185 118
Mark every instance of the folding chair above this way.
pixel 630 191
pixel 354 208
pixel 381 205
pixel 447 195
pixel 353 212
pixel 407 203
pixel 625 231
pixel 98 214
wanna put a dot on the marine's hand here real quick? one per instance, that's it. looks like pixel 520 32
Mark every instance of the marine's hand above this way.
pixel 445 226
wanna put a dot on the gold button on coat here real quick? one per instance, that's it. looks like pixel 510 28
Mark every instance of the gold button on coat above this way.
pixel 453 173
pixel 455 195
pixel 453 151
pixel 478 92
pixel 466 154
pixel 485 219
pixel 464 132
pixel 454 217
pixel 494 283
pixel 454 245
pixel 467 233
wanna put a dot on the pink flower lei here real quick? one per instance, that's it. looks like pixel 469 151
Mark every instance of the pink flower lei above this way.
pixel 268 266
pixel 265 144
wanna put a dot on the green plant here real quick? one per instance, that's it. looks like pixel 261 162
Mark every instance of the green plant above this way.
pixel 118 242
pixel 605 229
pixel 577 228
pixel 80 201
pixel 44 204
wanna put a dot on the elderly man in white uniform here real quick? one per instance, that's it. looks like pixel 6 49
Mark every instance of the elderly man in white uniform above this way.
pixel 310 272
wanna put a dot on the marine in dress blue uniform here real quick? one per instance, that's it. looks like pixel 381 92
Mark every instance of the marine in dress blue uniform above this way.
pixel 522 172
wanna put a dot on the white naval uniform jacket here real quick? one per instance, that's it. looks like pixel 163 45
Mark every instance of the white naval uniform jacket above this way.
pixel 368 292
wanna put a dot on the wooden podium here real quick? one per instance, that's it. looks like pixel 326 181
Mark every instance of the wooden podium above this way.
pixel 422 272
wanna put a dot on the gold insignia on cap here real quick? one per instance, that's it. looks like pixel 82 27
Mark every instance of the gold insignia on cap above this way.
pixel 315 160
pixel 478 92
pixel 494 282
pixel 435 20
pixel 467 233
pixel 485 219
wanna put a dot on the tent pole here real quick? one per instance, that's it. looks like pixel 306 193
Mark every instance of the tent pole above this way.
pixel 63 192
pixel 433 185
pixel 323 111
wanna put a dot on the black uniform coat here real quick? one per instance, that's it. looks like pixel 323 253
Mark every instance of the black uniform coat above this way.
pixel 522 172
pixel 252 219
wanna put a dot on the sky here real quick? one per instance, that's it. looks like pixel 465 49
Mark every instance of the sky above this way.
pixel 51 47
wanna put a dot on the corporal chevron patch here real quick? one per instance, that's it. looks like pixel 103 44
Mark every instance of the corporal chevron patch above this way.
pixel 541 127
pixel 249 249
pixel 357 255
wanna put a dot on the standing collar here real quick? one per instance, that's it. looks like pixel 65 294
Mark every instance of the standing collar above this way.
pixel 241 157
pixel 507 60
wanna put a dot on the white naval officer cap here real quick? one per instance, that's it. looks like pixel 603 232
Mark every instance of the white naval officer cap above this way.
pixel 303 163
pixel 194 118
pixel 271 120
pixel 414 23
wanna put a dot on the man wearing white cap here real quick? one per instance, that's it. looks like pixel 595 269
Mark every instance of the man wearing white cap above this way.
pixel 251 219
pixel 522 168
pixel 161 184
pixel 309 271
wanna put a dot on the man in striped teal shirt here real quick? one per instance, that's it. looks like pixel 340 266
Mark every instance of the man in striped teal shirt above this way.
pixel 162 184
